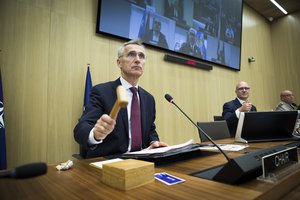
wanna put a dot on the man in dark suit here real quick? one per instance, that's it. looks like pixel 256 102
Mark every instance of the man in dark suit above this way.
pixel 101 135
pixel 232 109
pixel 155 36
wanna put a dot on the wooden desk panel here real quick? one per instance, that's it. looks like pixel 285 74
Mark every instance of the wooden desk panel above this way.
pixel 84 182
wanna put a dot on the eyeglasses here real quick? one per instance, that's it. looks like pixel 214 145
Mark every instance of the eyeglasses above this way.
pixel 243 88
pixel 133 54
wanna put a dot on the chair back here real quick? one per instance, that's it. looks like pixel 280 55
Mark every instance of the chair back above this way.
pixel 218 118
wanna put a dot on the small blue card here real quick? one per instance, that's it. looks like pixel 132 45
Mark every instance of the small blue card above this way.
pixel 167 178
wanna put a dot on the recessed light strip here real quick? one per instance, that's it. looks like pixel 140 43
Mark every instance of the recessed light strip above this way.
pixel 279 6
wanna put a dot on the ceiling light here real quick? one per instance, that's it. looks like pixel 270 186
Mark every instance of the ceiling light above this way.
pixel 279 6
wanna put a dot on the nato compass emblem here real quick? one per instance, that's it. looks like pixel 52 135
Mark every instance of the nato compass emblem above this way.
pixel 1 115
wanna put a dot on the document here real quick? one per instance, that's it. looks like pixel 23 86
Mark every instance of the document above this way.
pixel 164 155
pixel 224 147
pixel 160 149
pixel 99 164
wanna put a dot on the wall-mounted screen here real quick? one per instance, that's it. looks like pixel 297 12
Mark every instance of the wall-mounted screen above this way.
pixel 208 30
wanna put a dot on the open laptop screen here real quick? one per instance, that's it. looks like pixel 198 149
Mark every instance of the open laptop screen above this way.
pixel 266 126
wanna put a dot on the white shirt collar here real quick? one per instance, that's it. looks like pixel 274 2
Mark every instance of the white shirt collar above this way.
pixel 126 84
pixel 241 101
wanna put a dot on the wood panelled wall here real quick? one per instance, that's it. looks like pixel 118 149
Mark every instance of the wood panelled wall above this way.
pixel 45 47
pixel 286 48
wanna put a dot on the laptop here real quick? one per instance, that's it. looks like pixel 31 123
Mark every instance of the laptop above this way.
pixel 216 130
pixel 266 126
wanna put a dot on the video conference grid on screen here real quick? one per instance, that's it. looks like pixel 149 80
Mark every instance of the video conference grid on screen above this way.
pixel 205 29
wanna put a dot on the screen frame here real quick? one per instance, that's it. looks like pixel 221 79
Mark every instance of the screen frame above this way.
pixel 173 52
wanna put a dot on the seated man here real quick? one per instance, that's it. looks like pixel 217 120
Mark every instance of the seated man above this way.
pixel 134 129
pixel 287 103
pixel 232 109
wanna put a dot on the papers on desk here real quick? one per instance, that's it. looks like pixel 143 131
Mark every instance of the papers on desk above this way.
pixel 99 164
pixel 225 147
pixel 164 152
pixel 156 155
pixel 164 155
pixel 188 144
pixel 160 149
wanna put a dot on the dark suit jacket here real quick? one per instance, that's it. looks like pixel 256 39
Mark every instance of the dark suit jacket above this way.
pixel 229 115
pixel 162 42
pixel 187 49
pixel 102 99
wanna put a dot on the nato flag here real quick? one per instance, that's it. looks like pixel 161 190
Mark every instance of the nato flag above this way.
pixel 3 162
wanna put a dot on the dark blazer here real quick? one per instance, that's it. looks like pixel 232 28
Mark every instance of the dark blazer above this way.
pixel 162 42
pixel 187 49
pixel 229 115
pixel 102 99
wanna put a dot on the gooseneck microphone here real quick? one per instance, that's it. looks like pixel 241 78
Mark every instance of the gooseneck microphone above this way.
pixel 169 98
pixel 25 171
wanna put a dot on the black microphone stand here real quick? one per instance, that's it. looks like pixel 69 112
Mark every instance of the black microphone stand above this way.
pixel 207 136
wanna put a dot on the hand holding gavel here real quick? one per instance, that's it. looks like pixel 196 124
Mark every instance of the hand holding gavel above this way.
pixel 106 123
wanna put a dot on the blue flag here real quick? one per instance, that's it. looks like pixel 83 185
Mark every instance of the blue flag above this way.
pixel 200 41
pixel 88 87
pixel 3 162
pixel 144 26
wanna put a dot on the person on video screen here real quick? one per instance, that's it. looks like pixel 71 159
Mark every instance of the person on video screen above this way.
pixel 174 9
pixel 155 36
pixel 190 47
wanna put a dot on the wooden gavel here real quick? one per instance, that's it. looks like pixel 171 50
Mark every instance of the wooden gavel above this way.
pixel 121 102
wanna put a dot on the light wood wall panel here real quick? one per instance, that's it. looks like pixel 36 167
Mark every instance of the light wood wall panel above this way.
pixel 45 48
pixel 286 48
pixel 25 74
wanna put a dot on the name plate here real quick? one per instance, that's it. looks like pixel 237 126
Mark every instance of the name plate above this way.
pixel 279 160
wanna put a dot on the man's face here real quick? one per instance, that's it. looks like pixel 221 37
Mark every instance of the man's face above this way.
pixel 242 90
pixel 288 97
pixel 132 62
pixel 156 26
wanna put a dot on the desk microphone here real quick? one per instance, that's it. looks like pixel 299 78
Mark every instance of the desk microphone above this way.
pixel 169 98
pixel 25 171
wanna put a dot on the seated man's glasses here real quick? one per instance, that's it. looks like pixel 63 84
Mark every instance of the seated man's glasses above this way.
pixel 243 88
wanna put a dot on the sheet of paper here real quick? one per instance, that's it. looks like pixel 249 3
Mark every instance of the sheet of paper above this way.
pixel 225 147
pixel 161 149
pixel 99 164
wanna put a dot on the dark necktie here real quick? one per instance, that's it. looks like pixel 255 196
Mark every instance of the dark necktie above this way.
pixel 136 130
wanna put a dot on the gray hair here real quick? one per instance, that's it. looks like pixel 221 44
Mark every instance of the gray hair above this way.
pixel 122 47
